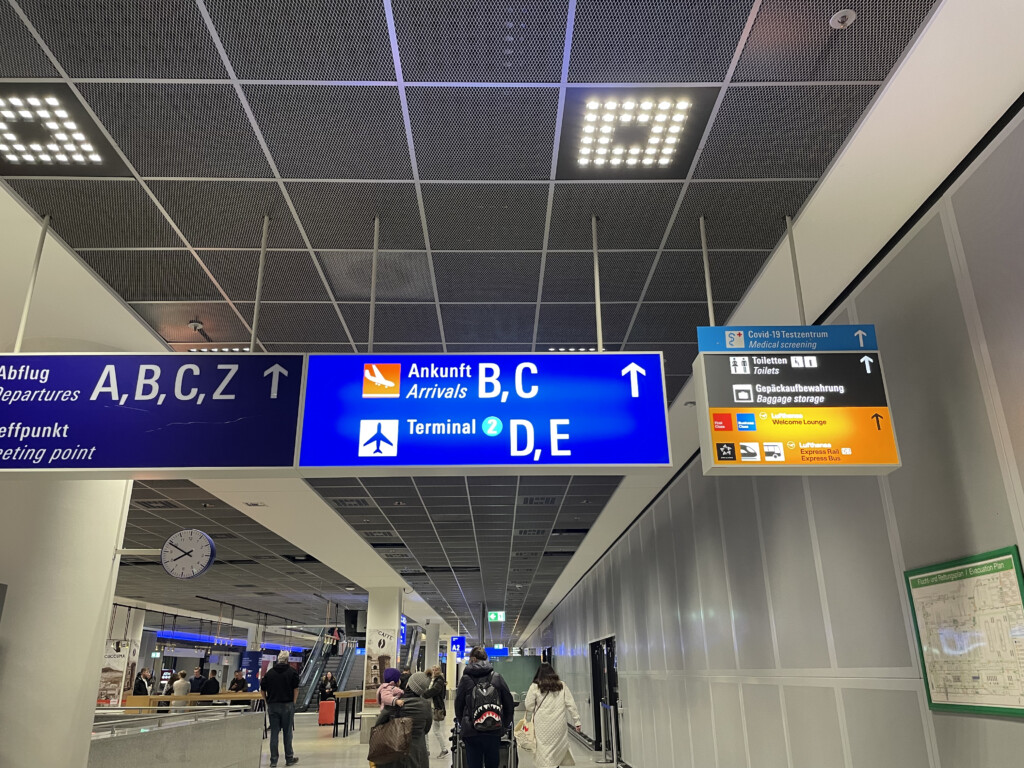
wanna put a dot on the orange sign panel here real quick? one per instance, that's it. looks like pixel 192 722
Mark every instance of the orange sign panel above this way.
pixel 382 380
pixel 802 437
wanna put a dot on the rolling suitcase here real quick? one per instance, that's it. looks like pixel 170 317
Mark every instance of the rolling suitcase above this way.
pixel 509 756
pixel 327 712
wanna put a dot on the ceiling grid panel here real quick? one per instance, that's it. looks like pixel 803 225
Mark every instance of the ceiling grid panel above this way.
pixel 403 96
pixel 247 108
pixel 63 74
pixel 570 23
pixel 744 34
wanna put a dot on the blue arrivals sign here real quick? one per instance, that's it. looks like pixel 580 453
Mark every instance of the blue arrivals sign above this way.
pixel 602 409
pixel 148 411
pixel 786 338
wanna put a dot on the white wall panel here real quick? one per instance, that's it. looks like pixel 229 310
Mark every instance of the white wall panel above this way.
pixel 694 651
pixel 948 496
pixel 763 707
pixel 667 551
pixel 698 693
pixel 885 728
pixel 988 205
pixel 714 592
pixel 652 589
pixel 796 600
pixel 813 720
pixel 863 595
pixel 746 573
pixel 725 698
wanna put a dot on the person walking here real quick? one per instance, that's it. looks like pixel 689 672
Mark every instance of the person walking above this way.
pixel 483 708
pixel 181 687
pixel 418 708
pixel 280 686
pixel 436 694
pixel 551 705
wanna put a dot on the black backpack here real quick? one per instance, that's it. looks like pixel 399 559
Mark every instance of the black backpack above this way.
pixel 485 715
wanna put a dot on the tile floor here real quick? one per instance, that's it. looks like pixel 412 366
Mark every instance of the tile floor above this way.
pixel 316 749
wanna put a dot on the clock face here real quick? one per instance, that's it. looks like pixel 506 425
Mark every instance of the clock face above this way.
pixel 187 554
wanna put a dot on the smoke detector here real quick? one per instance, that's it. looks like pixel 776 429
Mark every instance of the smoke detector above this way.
pixel 842 19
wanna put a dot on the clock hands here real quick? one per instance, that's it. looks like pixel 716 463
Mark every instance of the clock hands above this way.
pixel 176 546
pixel 184 554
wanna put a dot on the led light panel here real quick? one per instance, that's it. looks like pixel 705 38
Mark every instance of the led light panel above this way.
pixel 632 123
pixel 46 127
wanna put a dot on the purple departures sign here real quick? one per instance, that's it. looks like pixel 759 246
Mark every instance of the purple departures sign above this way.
pixel 101 411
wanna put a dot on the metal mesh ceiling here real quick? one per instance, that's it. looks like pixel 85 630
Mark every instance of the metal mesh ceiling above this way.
pixel 447 121
pixel 255 568
pixel 464 543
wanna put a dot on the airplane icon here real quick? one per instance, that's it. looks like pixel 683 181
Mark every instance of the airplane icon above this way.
pixel 378 438
pixel 378 378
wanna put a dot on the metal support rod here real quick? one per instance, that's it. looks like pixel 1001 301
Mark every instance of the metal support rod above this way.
pixel 31 285
pixel 597 285
pixel 796 273
pixel 707 272
pixel 373 279
pixel 259 282
pixel 139 552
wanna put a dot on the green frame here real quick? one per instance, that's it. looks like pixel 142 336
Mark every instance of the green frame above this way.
pixel 977 709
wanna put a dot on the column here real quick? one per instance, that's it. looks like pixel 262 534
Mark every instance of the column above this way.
pixel 383 609
pixel 58 563
pixel 126 628
pixel 431 656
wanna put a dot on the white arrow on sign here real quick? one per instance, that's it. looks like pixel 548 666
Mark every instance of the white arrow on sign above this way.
pixel 633 369
pixel 860 336
pixel 277 371
pixel 867 363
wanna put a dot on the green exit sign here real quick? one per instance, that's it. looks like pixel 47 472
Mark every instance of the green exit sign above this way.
pixel 495 615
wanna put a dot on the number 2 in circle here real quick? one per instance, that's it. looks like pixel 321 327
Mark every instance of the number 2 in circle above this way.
pixel 492 426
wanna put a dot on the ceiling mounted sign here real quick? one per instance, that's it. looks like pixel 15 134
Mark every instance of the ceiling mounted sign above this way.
pixel 86 412
pixel 793 400
pixel 602 409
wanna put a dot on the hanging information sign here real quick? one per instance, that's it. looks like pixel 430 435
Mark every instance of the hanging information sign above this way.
pixel 793 400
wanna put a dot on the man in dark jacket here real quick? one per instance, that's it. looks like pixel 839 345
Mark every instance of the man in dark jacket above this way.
pixel 211 687
pixel 197 681
pixel 483 748
pixel 142 683
pixel 280 688
pixel 239 684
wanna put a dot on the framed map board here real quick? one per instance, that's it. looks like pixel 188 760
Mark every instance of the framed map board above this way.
pixel 969 620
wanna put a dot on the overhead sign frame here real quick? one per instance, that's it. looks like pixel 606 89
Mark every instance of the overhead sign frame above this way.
pixel 163 383
pixel 324 445
pixel 756 382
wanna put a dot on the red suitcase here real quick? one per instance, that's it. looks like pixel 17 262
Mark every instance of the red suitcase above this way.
pixel 327 712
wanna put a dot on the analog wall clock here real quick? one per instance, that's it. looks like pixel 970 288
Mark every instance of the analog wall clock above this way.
pixel 187 554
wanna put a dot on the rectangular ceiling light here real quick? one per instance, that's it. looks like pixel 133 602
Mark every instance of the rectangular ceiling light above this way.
pixel 632 132
pixel 45 131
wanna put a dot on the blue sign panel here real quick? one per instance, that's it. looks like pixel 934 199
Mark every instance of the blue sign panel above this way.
pixel 458 646
pixel 786 338
pixel 485 410
pixel 403 625
pixel 148 411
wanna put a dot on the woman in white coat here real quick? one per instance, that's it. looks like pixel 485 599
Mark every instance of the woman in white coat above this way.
pixel 549 702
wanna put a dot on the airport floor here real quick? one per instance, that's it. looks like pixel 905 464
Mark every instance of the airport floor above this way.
pixel 315 748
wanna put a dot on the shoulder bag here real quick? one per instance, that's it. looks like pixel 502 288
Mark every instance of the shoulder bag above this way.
pixel 390 741
pixel 526 737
